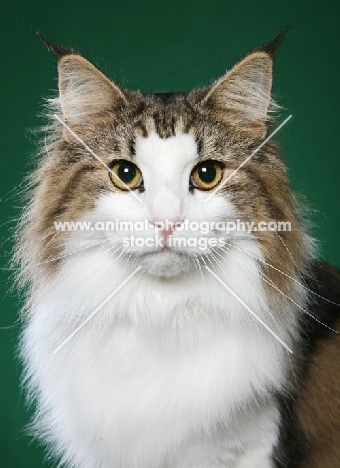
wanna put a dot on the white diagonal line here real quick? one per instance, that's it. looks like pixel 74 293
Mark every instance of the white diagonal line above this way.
pixel 96 156
pixel 249 310
pixel 97 309
pixel 249 157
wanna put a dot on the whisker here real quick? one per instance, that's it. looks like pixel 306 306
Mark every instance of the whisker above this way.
pixel 10 327
pixel 128 259
pixel 202 258
pixel 48 243
pixel 255 272
pixel 283 273
pixel 249 309
pixel 251 317
pixel 212 265
pixel 198 265
pixel 75 252
pixel 269 281
pixel 121 253
pixel 289 252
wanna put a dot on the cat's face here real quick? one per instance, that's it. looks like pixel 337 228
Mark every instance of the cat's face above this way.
pixel 168 199
pixel 158 158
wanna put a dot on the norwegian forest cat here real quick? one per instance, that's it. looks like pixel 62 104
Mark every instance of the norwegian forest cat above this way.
pixel 140 352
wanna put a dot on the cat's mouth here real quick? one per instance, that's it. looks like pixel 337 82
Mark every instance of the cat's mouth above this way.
pixel 166 251
pixel 165 262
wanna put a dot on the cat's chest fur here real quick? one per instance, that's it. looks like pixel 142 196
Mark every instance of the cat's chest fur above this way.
pixel 190 391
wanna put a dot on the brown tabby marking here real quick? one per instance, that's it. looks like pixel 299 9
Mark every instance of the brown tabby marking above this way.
pixel 228 120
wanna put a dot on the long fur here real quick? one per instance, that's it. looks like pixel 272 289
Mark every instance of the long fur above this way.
pixel 173 371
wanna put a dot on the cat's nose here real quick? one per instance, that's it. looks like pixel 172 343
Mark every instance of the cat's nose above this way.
pixel 165 228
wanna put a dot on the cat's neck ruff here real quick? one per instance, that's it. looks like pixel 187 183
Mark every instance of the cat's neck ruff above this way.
pixel 168 358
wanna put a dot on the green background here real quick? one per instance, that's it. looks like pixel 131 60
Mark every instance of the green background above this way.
pixel 160 46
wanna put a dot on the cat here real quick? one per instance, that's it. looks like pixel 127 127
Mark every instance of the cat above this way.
pixel 142 354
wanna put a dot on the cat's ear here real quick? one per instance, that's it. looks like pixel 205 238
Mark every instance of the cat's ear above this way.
pixel 84 91
pixel 243 94
pixel 245 89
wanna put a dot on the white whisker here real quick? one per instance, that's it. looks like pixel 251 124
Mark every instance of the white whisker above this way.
pixel 270 282
pixel 75 252
pixel 283 273
pixel 250 310
pixel 267 280
pixel 289 252
pixel 198 265
pixel 255 272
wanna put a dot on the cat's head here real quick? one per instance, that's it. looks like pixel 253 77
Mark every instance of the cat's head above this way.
pixel 119 155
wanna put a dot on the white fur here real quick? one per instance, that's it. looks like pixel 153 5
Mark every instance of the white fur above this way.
pixel 172 371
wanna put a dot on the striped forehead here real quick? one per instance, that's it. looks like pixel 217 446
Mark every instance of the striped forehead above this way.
pixel 176 152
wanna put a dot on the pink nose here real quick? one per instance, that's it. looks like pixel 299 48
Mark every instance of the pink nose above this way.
pixel 166 228
pixel 165 233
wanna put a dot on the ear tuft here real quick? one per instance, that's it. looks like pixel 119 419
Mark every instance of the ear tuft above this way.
pixel 272 46
pixel 58 50
pixel 243 94
pixel 83 89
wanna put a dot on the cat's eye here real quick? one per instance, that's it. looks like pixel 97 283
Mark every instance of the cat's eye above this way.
pixel 206 175
pixel 126 175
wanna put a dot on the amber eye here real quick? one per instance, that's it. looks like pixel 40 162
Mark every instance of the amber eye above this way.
pixel 206 175
pixel 126 175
